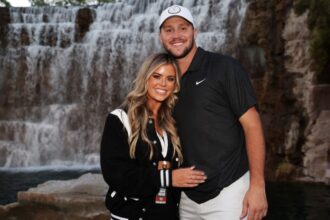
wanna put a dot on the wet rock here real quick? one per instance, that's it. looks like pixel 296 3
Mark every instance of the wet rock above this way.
pixel 4 21
pixel 82 198
pixel 83 20
pixel 316 150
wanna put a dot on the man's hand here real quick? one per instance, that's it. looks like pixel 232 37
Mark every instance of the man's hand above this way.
pixel 255 203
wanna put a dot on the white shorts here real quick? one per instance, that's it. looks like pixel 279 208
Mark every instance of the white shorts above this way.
pixel 227 205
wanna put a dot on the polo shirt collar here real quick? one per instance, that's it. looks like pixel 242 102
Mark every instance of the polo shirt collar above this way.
pixel 196 62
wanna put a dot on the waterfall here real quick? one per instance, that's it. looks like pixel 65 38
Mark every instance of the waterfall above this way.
pixel 58 79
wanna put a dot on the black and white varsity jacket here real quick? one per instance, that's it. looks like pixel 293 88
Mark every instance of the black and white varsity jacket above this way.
pixel 134 183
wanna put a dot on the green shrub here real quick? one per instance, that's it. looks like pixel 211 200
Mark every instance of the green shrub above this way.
pixel 319 24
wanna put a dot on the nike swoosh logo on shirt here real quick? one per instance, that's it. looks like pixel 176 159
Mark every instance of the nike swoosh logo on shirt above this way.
pixel 199 82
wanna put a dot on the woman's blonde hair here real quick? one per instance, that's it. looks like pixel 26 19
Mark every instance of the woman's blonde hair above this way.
pixel 138 113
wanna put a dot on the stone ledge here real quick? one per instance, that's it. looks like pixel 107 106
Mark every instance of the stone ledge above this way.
pixel 81 198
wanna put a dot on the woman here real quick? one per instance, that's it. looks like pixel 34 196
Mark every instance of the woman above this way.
pixel 140 149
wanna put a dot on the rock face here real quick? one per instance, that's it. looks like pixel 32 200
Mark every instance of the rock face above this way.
pixel 4 20
pixel 294 106
pixel 82 198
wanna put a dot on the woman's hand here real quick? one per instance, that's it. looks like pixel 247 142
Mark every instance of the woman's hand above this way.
pixel 187 177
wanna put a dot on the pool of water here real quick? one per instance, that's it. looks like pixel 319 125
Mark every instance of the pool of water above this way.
pixel 298 201
pixel 287 201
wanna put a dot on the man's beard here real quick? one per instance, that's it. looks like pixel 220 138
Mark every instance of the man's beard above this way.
pixel 184 53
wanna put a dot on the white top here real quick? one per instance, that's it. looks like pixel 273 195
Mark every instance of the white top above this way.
pixel 163 142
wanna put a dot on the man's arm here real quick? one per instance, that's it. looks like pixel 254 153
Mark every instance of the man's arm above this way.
pixel 255 201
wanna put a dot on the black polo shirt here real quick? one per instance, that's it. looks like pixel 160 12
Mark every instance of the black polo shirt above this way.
pixel 215 92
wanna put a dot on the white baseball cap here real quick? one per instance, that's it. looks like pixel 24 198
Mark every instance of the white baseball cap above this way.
pixel 175 10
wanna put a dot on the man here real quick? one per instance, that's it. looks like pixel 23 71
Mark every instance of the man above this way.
pixel 219 127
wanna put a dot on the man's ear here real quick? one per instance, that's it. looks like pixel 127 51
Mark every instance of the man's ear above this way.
pixel 160 38
pixel 195 33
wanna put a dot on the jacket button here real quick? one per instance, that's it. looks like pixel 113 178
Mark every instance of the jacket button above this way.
pixel 154 142
pixel 144 210
pixel 154 163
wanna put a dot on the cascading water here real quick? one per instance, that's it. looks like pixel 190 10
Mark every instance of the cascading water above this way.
pixel 57 82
